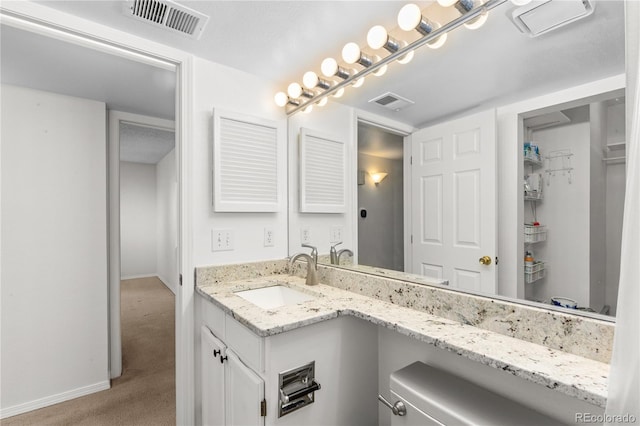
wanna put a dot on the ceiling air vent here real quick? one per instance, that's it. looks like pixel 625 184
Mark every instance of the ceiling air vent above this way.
pixel 542 16
pixel 542 121
pixel 392 101
pixel 167 14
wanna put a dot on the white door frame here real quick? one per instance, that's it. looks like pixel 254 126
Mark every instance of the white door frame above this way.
pixel 397 128
pixel 115 118
pixel 48 22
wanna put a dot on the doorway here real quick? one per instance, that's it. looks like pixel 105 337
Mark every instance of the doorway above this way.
pixel 64 80
pixel 574 177
pixel 380 198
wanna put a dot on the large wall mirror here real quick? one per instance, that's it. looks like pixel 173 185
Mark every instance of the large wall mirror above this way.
pixel 430 200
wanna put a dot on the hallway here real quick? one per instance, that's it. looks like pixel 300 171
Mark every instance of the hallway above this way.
pixel 145 393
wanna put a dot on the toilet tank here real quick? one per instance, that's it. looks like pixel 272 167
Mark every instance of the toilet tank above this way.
pixel 435 397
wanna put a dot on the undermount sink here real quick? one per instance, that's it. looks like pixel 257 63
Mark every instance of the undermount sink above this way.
pixel 274 296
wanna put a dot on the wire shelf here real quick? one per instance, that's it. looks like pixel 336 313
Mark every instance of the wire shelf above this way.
pixel 534 272
pixel 535 234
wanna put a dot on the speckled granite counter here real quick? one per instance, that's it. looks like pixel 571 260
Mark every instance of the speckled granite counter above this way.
pixel 578 377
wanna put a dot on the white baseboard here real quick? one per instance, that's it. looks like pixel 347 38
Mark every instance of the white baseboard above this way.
pixel 53 399
pixel 135 277
pixel 167 284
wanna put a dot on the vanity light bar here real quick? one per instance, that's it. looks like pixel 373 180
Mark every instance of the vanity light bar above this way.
pixel 295 105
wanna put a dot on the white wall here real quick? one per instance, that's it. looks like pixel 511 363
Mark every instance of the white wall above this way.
pixel 381 233
pixel 167 221
pixel 54 249
pixel 138 217
pixel 565 212
pixel 222 87
pixel 339 122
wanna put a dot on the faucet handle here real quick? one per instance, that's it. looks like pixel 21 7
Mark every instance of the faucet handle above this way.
pixel 313 248
pixel 336 245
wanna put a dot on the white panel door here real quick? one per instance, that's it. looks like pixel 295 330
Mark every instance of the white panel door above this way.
pixel 453 194
pixel 213 372
pixel 244 393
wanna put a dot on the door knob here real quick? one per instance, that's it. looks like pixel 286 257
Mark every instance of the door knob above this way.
pixel 485 260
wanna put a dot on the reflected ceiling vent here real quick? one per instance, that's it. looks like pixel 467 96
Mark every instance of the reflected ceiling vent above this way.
pixel 167 14
pixel 546 120
pixel 392 101
pixel 542 16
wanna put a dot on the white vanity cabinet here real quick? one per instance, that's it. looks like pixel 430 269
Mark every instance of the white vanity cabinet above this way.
pixel 232 393
pixel 343 349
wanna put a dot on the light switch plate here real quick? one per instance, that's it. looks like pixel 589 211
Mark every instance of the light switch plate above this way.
pixel 335 234
pixel 221 240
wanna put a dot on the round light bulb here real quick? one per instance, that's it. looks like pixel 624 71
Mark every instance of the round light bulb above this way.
pixel 520 2
pixel 281 99
pixel 310 79
pixel 351 53
pixel 476 23
pixel 308 109
pixel 447 3
pixel 406 58
pixel 339 93
pixel 322 102
pixel 377 37
pixel 409 17
pixel 380 71
pixel 294 90
pixel 329 67
pixel 438 42
pixel 359 82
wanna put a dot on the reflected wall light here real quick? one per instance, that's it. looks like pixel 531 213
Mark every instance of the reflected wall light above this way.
pixel 377 177
pixel 410 18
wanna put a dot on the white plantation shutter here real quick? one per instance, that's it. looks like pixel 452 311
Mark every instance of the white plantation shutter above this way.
pixel 322 173
pixel 245 164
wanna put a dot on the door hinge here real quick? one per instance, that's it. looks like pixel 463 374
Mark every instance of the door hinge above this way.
pixel 180 279
pixel 496 260
pixel 412 239
pixel 263 408
pixel 411 160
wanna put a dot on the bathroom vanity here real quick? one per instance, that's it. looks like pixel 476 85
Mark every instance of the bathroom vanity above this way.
pixel 322 354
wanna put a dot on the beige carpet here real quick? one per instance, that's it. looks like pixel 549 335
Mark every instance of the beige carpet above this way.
pixel 145 393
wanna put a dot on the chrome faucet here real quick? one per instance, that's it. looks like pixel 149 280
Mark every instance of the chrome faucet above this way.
pixel 333 254
pixel 341 252
pixel 312 273
pixel 314 253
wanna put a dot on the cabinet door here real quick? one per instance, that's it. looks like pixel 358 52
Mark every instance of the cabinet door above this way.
pixel 244 393
pixel 213 373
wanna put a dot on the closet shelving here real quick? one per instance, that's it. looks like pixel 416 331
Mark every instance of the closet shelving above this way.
pixel 534 272
pixel 533 233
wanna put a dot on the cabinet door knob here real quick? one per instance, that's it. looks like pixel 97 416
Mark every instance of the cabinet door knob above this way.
pixel 222 359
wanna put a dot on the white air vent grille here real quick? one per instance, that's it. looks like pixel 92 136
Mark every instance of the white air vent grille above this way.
pixel 392 101
pixel 542 16
pixel 322 173
pixel 167 14
pixel 245 168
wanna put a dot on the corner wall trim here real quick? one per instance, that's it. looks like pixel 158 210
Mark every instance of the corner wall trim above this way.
pixel 54 399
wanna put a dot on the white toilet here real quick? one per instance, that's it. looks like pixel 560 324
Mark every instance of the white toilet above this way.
pixel 434 397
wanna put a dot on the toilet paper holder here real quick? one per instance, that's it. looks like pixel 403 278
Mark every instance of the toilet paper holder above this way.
pixel 297 388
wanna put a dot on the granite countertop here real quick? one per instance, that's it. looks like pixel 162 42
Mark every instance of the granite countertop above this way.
pixel 578 377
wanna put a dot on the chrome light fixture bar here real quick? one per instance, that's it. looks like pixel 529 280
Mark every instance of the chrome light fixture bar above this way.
pixel 302 103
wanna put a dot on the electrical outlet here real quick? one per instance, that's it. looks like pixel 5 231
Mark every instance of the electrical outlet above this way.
pixel 335 234
pixel 268 237
pixel 221 240
pixel 305 235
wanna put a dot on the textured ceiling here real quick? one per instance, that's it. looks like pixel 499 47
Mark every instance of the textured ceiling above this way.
pixel 141 144
pixel 491 66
